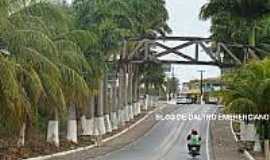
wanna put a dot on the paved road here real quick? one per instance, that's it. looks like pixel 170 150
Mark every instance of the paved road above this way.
pixel 167 139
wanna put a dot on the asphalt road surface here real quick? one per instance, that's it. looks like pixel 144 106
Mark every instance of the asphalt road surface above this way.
pixel 167 139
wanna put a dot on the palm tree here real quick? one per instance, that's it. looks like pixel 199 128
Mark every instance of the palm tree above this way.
pixel 52 60
pixel 172 86
pixel 56 59
pixel 15 37
pixel 152 14
pixel 115 103
pixel 20 90
pixel 236 20
pixel 247 93
pixel 153 78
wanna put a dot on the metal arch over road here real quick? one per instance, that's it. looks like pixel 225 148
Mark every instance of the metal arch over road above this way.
pixel 220 53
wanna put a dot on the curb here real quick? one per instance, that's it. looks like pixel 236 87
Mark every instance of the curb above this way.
pixel 234 134
pixel 131 126
pixel 246 153
pixel 95 145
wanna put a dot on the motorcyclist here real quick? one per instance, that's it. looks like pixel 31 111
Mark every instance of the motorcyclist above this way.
pixel 194 140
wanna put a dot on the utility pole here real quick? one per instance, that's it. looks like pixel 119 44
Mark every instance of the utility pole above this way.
pixel 172 95
pixel 201 84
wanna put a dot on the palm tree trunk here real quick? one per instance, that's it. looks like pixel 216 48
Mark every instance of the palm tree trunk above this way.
pixel 126 107
pixel 72 135
pixel 121 100
pixel 53 129
pixel 114 99
pixel 99 125
pixel 21 139
pixel 251 42
pixel 266 149
pixel 88 119
pixel 151 97
pixel 138 93
pixel 146 98
pixel 107 106
pixel 130 94
pixel 252 36
pixel 135 96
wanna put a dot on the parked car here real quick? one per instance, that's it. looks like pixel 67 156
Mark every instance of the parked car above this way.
pixel 183 100
pixel 213 100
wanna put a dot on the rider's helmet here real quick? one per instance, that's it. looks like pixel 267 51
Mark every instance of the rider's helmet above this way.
pixel 194 131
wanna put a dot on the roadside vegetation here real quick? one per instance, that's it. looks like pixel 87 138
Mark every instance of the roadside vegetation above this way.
pixel 246 88
pixel 54 67
pixel 239 22
pixel 172 86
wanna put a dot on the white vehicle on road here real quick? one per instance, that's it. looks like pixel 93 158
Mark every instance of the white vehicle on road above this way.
pixel 183 100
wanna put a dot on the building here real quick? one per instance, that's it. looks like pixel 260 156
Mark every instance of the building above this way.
pixel 210 87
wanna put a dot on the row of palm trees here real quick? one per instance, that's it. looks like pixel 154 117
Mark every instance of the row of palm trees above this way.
pixel 53 63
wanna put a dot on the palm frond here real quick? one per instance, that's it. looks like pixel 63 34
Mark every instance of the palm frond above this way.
pixel 242 106
pixel 74 86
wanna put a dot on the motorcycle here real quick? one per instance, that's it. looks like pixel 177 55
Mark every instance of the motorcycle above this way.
pixel 195 151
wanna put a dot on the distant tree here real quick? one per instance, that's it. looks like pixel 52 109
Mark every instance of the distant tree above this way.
pixel 172 86
pixel 152 76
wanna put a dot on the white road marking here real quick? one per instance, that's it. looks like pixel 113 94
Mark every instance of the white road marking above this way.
pixel 207 141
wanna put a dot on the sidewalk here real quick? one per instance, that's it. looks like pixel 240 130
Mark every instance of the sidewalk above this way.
pixel 117 143
pixel 224 145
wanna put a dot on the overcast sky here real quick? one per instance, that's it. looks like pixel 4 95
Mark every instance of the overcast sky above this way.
pixel 184 21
